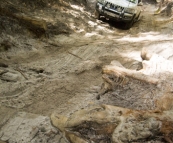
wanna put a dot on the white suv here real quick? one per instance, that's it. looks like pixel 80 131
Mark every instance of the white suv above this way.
pixel 127 11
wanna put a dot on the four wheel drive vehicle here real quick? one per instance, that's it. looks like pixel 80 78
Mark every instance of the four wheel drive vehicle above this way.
pixel 127 11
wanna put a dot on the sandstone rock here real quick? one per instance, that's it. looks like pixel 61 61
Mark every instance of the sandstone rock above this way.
pixel 152 86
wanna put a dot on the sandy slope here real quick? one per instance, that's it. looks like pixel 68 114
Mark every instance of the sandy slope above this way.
pixel 63 72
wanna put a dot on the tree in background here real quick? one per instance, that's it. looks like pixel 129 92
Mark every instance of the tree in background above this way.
pixel 167 9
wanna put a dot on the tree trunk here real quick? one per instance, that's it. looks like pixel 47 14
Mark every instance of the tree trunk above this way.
pixel 169 9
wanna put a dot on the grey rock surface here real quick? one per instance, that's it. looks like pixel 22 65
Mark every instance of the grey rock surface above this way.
pixel 30 128
pixel 5 115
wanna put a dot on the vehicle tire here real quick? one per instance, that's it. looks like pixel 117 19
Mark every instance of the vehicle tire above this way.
pixel 97 14
pixel 137 18
pixel 129 24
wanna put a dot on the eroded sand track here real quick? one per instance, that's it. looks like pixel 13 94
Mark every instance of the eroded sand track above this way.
pixel 61 70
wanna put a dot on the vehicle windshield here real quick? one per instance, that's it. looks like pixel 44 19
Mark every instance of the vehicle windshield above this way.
pixel 132 1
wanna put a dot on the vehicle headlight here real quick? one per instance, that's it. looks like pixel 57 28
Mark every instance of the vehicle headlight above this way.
pixel 101 1
pixel 129 10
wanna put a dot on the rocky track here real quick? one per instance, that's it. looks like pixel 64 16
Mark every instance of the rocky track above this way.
pixel 62 69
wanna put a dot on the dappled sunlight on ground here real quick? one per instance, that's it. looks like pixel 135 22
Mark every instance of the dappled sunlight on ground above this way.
pixel 134 55
pixel 77 7
pixel 146 37
pixel 91 34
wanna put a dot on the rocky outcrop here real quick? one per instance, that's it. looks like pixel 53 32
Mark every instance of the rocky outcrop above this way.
pixel 151 120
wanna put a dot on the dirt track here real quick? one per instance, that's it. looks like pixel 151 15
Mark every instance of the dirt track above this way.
pixel 63 72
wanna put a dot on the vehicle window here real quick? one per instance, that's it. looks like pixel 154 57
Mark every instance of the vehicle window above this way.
pixel 133 1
